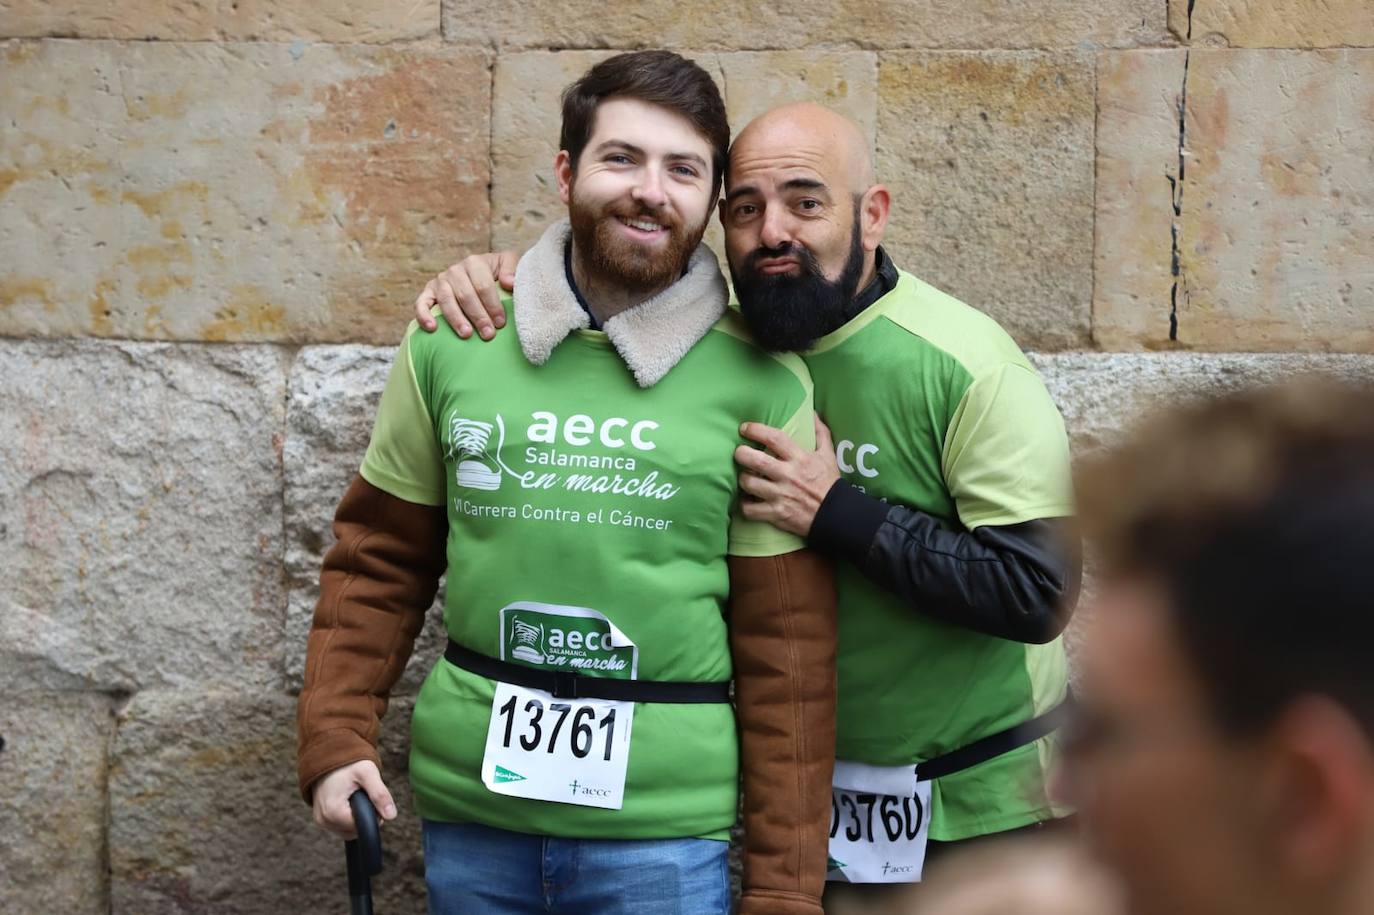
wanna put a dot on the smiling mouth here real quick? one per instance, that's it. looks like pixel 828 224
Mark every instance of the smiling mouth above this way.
pixel 642 226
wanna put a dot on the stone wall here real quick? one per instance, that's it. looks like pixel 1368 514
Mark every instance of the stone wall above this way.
pixel 214 217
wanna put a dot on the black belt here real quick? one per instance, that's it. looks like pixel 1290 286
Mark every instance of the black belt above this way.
pixel 565 684
pixel 994 745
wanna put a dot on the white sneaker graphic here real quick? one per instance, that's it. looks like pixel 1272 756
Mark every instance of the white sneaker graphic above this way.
pixel 468 439
pixel 527 638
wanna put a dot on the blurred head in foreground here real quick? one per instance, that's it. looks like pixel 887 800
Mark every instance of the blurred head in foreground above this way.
pixel 1224 758
pixel 1015 877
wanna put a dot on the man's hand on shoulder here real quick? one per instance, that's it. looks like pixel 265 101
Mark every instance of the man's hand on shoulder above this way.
pixel 468 294
pixel 332 791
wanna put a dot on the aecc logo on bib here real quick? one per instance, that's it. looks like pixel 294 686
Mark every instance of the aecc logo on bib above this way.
pixel 558 640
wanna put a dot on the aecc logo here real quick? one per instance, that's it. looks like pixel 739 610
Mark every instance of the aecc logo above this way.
pixel 861 453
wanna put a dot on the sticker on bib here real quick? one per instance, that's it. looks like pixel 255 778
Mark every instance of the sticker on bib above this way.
pixel 570 751
pixel 879 824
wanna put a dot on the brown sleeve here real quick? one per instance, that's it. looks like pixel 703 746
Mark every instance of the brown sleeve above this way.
pixel 782 639
pixel 377 582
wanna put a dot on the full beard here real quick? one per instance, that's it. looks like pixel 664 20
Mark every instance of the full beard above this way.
pixel 618 261
pixel 790 313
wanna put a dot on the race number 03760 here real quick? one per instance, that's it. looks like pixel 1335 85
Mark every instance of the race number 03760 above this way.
pixel 542 725
pixel 879 824
pixel 898 818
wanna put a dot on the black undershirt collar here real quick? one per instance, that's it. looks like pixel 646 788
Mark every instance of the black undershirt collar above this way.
pixel 884 281
pixel 572 284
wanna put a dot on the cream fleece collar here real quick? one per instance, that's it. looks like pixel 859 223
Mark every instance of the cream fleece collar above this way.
pixel 652 337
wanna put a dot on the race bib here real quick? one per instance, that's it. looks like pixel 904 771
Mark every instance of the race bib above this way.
pixel 571 751
pixel 879 824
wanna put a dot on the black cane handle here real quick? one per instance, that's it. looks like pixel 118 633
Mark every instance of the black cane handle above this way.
pixel 364 853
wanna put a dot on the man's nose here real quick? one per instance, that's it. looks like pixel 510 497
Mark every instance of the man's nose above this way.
pixel 648 191
pixel 775 232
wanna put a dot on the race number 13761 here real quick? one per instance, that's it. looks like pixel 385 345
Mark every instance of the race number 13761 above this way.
pixel 571 751
pixel 554 726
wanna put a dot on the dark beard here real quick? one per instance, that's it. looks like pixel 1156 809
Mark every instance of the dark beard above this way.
pixel 613 260
pixel 790 313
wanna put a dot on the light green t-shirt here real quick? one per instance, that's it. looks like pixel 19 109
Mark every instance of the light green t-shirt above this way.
pixel 567 484
pixel 932 406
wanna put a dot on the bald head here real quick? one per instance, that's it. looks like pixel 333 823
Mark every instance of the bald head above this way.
pixel 811 135
pixel 803 221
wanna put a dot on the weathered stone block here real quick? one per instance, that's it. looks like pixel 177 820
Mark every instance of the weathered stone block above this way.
pixel 846 81
pixel 524 139
pixel 1273 211
pixel 989 157
pixel 205 815
pixel 1103 396
pixel 331 405
pixel 140 515
pixel 141 196
pixel 1138 161
pixel 1273 23
pixel 799 24
pixel 210 20
pixel 53 752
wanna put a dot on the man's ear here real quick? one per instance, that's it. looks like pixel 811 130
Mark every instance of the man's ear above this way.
pixel 563 174
pixel 873 212
pixel 1323 790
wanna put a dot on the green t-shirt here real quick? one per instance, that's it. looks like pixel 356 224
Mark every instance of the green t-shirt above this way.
pixel 567 484
pixel 934 407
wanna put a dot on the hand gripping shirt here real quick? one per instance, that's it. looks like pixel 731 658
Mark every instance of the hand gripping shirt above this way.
pixel 567 483
pixel 933 406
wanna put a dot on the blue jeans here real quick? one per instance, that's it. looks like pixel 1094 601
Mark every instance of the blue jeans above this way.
pixel 479 870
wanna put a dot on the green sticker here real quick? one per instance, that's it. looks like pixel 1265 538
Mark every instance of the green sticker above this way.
pixel 574 639
pixel 506 775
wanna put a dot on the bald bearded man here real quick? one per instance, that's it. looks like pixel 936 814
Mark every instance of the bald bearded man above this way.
pixel 941 488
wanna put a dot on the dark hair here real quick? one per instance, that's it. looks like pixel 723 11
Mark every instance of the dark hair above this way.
pixel 659 78
pixel 1255 513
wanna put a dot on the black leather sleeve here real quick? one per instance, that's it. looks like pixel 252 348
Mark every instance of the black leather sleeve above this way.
pixel 1015 581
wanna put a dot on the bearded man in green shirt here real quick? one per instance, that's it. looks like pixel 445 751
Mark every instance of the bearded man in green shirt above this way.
pixel 941 487
pixel 575 749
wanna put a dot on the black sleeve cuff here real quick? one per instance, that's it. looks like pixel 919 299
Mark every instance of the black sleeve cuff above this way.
pixel 847 522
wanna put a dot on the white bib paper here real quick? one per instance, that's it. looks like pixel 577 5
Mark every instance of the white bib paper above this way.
pixel 879 824
pixel 573 751
pixel 570 751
